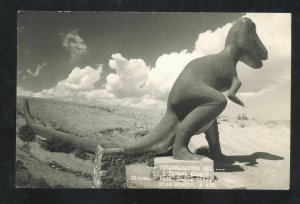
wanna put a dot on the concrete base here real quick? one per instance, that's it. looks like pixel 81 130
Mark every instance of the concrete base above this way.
pixel 169 173
pixel 109 170
pixel 173 168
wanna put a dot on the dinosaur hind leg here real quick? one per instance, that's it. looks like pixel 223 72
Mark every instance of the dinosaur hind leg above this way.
pixel 212 137
pixel 195 120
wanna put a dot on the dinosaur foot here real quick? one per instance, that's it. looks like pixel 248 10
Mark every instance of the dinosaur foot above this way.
pixel 222 160
pixel 185 154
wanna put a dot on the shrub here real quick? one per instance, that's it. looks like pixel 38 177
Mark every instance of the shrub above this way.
pixel 26 134
pixel 42 183
pixel 26 180
pixel 79 153
pixel 77 173
pixel 20 165
pixel 111 130
pixel 239 117
pixel 141 133
pixel 105 109
pixel 19 111
pixel 54 145
pixel 61 186
pixel 242 117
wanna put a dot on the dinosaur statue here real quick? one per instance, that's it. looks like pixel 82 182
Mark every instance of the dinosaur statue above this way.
pixel 195 100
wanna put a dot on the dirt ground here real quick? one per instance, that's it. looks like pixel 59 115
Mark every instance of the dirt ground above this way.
pixel 260 150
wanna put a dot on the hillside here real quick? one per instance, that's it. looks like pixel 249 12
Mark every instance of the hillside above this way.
pixel 259 149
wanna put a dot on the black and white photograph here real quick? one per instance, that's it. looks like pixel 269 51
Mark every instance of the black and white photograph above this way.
pixel 153 100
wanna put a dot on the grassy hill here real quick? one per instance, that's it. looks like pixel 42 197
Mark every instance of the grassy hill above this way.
pixel 259 148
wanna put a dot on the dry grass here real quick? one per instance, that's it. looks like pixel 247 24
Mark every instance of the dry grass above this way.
pixel 79 153
pixel 24 179
pixel 54 145
pixel 26 134
pixel 117 124
pixel 77 173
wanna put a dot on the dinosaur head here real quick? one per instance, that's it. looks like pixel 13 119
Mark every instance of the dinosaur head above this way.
pixel 251 50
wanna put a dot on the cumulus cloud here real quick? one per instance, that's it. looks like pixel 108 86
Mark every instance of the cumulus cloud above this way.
pixel 22 92
pixel 156 82
pixel 285 79
pixel 79 81
pixel 211 42
pixel 37 70
pixel 75 44
pixel 137 84
pixel 165 72
pixel 148 102
pixel 130 77
pixel 95 94
pixel 134 78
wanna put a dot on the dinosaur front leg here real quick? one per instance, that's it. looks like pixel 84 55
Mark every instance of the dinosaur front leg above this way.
pixel 212 137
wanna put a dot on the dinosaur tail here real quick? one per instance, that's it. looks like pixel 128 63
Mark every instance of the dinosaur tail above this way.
pixel 159 140
pixel 86 145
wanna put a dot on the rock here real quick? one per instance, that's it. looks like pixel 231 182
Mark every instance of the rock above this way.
pixel 40 139
pixel 109 171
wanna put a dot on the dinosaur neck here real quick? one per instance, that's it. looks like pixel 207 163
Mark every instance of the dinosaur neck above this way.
pixel 232 53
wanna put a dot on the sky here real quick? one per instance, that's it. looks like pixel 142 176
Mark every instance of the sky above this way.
pixel 133 59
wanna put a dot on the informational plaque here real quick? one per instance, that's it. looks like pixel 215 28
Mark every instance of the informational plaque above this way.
pixel 171 173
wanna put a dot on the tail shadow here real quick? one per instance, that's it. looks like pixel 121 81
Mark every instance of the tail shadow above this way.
pixel 250 160
pixel 227 162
